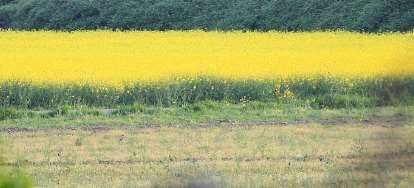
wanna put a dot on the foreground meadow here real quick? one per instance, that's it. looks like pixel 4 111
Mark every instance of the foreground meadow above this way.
pixel 212 144
pixel 222 156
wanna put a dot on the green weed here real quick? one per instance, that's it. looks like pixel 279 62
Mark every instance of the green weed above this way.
pixel 326 92
pixel 9 113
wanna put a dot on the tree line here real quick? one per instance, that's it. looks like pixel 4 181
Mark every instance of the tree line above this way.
pixel 258 15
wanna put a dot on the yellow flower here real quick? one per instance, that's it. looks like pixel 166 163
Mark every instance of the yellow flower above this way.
pixel 113 58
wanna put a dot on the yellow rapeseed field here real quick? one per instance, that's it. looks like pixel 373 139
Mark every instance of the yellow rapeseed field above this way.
pixel 114 57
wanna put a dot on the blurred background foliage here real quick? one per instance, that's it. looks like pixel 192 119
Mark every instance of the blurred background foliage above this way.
pixel 260 15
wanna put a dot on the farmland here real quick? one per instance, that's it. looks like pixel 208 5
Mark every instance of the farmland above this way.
pixel 113 58
pixel 206 93
pixel 217 109
pixel 107 69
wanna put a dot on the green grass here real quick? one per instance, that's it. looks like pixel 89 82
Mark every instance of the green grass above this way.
pixel 332 92
pixel 14 179
pixel 205 113
pixel 9 113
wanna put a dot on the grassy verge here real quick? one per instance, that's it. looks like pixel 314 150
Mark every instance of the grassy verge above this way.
pixel 206 113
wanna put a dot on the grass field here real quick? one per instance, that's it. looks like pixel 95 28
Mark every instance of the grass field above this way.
pixel 204 114
pixel 213 144
pixel 309 155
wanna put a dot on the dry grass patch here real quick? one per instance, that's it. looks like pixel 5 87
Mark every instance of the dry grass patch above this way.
pixel 301 155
